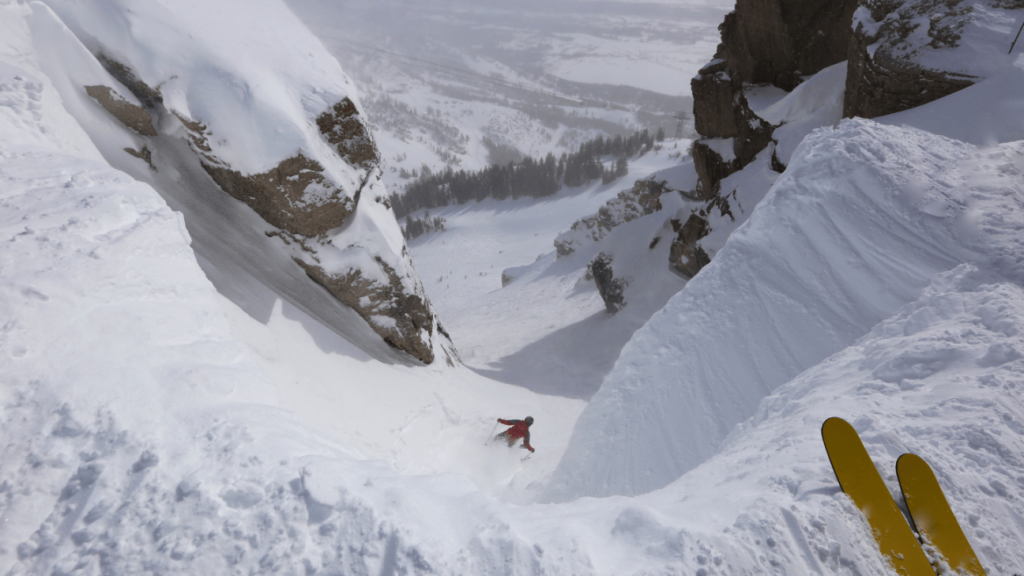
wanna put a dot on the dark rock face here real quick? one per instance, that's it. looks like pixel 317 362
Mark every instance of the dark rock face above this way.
pixel 506 279
pixel 889 80
pixel 127 113
pixel 778 41
pixel 711 168
pixel 612 289
pixel 686 254
pixel 712 89
pixel 763 42
pixel 754 133
pixel 344 129
pixel 399 317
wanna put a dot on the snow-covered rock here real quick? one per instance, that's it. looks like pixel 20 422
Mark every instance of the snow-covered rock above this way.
pixel 268 115
pixel 905 54
pixel 861 221
pixel 639 201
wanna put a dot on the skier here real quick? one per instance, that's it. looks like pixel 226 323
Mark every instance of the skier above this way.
pixel 519 429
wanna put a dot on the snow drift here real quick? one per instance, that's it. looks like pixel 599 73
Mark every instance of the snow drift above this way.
pixel 858 225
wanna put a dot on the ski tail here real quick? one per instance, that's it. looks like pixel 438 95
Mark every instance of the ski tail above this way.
pixel 932 516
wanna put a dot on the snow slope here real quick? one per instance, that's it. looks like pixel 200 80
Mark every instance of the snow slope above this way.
pixel 857 226
pixel 547 330
pixel 152 425
pixel 139 434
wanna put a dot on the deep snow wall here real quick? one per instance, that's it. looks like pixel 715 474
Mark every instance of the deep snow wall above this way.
pixel 861 221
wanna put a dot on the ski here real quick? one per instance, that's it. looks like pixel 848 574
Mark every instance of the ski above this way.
pixel 932 516
pixel 860 480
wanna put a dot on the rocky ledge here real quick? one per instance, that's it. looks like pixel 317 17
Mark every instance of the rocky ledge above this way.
pixel 310 208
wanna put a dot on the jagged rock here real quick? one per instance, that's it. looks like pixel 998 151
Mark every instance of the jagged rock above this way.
pixel 642 199
pixel 403 319
pixel 612 289
pixel 731 118
pixel 711 166
pixel 778 41
pixel 343 128
pixel 198 136
pixel 887 78
pixel 754 132
pixel 282 197
pixel 506 279
pixel 686 254
pixel 127 113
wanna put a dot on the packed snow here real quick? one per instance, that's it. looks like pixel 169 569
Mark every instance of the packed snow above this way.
pixel 167 410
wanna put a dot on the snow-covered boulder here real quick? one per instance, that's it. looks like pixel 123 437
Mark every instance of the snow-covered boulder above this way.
pixel 862 220
pixel 268 115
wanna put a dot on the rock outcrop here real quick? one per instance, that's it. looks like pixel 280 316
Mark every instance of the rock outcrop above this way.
pixel 400 317
pixel 780 41
pixel 686 255
pixel 310 196
pixel 639 201
pixel 776 42
pixel 345 130
pixel 282 197
pixel 612 289
pixel 149 96
pixel 886 71
pixel 132 116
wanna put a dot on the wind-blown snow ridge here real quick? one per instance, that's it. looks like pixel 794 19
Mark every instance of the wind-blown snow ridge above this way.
pixel 862 220
pixel 941 378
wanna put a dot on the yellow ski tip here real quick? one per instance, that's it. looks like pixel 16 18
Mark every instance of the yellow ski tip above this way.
pixel 933 517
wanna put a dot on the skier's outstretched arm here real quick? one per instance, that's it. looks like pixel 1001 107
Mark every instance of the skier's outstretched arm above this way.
pixel 526 441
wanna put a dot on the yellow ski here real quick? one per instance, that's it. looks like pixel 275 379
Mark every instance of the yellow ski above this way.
pixel 860 480
pixel 932 515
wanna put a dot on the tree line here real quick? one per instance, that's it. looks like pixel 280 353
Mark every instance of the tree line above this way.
pixel 527 178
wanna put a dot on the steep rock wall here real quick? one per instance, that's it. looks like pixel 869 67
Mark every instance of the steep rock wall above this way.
pixel 774 42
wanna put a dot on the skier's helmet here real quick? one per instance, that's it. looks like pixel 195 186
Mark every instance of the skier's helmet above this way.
pixel 529 420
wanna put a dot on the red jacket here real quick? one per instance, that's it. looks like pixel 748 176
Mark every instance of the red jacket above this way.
pixel 519 429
